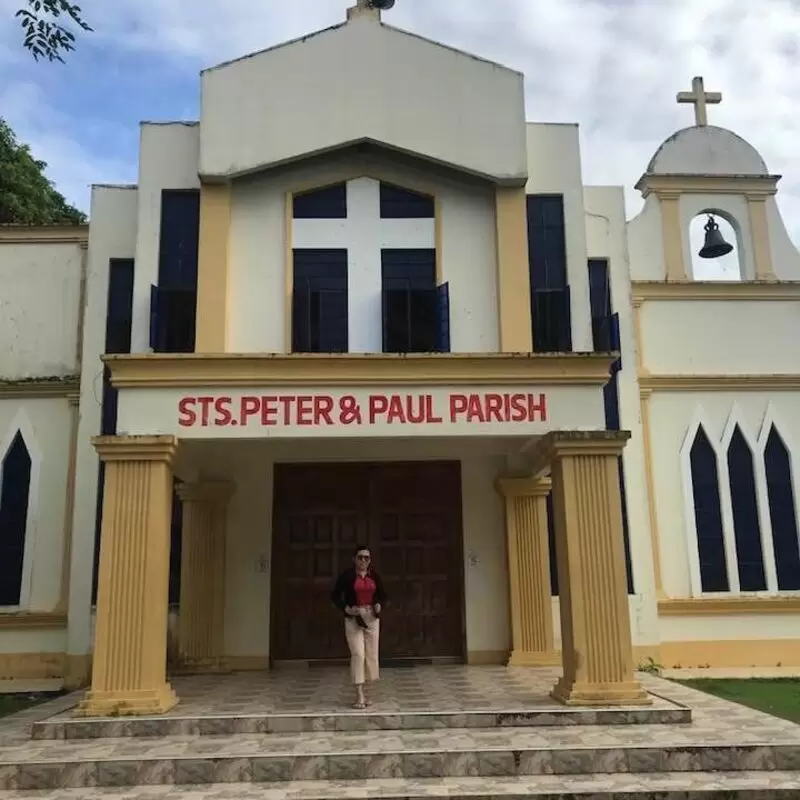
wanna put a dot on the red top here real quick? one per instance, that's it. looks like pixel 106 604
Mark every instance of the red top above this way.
pixel 365 590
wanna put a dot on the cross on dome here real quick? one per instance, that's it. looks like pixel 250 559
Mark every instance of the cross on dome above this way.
pixel 700 99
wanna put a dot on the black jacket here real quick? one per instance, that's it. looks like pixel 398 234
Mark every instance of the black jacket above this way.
pixel 344 591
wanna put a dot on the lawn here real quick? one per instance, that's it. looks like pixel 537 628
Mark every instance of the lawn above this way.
pixel 777 696
pixel 11 703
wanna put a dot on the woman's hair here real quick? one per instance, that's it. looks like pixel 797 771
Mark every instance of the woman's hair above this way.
pixel 359 549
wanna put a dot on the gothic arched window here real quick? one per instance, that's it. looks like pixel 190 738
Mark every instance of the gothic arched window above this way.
pixel 782 512
pixel 708 514
pixel 15 485
pixel 744 505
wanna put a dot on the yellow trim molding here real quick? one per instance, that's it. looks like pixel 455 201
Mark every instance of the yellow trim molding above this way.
pixel 718 383
pixel 212 268
pixel 749 185
pixel 335 174
pixel 730 653
pixel 156 370
pixel 40 388
pixel 513 271
pixel 33 620
pixel 649 474
pixel 44 234
pixel 704 606
pixel 721 290
pixel 31 666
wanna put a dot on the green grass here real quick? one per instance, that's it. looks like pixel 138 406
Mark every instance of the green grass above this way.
pixel 11 703
pixel 777 696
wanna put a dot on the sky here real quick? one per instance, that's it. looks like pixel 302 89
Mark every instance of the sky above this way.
pixel 612 66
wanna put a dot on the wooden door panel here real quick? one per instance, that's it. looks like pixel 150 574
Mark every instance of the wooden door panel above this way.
pixel 408 514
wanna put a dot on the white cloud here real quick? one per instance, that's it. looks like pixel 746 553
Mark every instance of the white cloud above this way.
pixel 613 66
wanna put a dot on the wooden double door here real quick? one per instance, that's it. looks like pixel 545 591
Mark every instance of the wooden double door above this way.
pixel 409 515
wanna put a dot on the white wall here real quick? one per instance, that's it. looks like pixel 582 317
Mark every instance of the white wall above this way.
pixel 257 287
pixel 363 81
pixel 554 167
pixel 112 235
pixel 646 243
pixel 723 337
pixel 606 238
pixel 39 309
pixel 249 544
pixel 675 416
pixel 45 425
pixel 168 159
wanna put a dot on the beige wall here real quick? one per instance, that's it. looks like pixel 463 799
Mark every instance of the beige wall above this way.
pixel 250 465
pixel 363 81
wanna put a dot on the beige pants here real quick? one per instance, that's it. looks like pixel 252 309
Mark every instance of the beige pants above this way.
pixel 363 644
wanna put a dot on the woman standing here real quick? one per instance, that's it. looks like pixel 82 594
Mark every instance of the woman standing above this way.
pixel 360 596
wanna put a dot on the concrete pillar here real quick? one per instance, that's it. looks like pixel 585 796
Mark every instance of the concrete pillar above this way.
pixel 130 650
pixel 597 650
pixel 529 571
pixel 202 602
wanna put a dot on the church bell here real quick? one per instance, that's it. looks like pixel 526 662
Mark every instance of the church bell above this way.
pixel 715 245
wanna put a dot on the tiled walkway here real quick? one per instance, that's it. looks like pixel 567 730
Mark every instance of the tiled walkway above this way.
pixel 412 690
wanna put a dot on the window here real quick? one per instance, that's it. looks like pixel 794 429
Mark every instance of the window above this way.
pixel 327 203
pixel 415 310
pixel 708 514
pixel 605 324
pixel 744 505
pixel 173 302
pixel 119 320
pixel 547 258
pixel 15 486
pixel 782 512
pixel 319 308
pixel 397 203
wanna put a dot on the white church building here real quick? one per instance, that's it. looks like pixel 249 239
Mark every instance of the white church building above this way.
pixel 335 312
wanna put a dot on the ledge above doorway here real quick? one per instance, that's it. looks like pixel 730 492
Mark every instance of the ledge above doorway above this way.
pixel 302 369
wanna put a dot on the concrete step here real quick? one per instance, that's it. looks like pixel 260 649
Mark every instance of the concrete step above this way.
pixel 453 753
pixel 653 786
pixel 66 726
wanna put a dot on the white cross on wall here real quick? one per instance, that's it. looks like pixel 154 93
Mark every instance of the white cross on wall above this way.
pixel 700 99
pixel 364 234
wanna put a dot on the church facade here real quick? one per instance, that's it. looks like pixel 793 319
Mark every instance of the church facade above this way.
pixel 401 320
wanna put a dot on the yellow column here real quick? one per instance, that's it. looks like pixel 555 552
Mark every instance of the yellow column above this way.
pixel 759 233
pixel 130 649
pixel 212 268
pixel 529 571
pixel 514 286
pixel 202 603
pixel 672 236
pixel 597 651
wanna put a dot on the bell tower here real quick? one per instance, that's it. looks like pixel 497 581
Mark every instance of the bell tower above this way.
pixel 705 173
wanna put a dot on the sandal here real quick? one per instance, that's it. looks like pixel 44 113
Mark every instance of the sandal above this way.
pixel 359 706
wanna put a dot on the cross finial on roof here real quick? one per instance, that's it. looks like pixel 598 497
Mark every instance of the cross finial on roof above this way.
pixel 700 98
pixel 362 8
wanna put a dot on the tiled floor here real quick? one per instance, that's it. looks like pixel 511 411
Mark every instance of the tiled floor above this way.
pixel 548 786
pixel 328 690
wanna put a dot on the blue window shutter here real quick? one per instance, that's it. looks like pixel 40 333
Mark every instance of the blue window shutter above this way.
pixel 746 527
pixel 782 512
pixel 397 203
pixel 443 326
pixel 327 203
pixel 179 238
pixel 708 515
pixel 154 318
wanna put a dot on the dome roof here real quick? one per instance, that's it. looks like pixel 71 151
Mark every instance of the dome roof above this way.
pixel 706 150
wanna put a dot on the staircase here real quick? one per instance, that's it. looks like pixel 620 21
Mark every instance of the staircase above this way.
pixel 687 745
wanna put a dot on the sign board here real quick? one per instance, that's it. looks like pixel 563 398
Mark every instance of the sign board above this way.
pixel 305 412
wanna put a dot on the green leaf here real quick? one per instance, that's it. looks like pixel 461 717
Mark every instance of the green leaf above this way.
pixel 27 196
